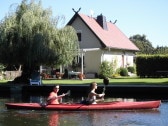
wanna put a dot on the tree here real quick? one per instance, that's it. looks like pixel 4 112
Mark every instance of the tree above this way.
pixel 161 50
pixel 30 37
pixel 142 43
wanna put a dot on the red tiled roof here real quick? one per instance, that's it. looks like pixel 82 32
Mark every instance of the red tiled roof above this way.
pixel 112 38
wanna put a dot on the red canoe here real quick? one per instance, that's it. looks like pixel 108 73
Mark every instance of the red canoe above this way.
pixel 118 105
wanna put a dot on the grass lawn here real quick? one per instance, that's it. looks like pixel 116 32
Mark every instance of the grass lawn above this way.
pixel 125 80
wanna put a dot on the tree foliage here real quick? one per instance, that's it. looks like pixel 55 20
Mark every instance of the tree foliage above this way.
pixel 142 43
pixel 161 50
pixel 29 36
pixel 146 47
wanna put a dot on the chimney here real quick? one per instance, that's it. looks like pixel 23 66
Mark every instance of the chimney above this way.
pixel 101 20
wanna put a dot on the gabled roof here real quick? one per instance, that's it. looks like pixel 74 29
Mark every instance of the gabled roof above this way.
pixel 110 38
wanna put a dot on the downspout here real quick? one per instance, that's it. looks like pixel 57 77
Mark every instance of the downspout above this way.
pixel 82 64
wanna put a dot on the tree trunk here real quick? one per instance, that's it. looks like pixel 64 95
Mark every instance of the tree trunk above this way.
pixel 25 76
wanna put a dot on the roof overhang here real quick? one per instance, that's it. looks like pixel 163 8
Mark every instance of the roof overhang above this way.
pixel 89 49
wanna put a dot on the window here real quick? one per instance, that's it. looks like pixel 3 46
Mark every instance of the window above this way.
pixel 79 34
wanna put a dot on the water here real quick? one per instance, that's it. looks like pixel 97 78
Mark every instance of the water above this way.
pixel 158 117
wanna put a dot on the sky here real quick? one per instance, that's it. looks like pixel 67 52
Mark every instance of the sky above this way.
pixel 143 17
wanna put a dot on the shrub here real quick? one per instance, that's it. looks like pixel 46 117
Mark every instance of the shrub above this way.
pixel 106 69
pixel 123 71
pixel 131 69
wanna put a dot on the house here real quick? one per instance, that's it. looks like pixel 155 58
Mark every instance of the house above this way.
pixel 101 40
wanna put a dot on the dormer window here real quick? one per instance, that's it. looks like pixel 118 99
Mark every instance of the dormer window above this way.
pixel 79 34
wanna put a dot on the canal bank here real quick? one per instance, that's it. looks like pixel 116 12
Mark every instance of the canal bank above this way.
pixel 133 91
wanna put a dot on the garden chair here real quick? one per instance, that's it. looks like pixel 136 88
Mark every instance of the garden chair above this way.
pixel 35 79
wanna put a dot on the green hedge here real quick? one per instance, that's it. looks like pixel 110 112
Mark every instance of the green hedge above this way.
pixel 152 65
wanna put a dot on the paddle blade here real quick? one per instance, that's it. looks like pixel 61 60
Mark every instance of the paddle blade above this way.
pixel 106 81
pixel 68 93
pixel 104 89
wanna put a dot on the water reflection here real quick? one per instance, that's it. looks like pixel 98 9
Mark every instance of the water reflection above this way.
pixel 53 119
pixel 100 118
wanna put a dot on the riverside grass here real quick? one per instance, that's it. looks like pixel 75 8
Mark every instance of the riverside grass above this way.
pixel 113 81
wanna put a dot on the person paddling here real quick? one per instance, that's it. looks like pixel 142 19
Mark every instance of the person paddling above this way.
pixel 92 96
pixel 53 97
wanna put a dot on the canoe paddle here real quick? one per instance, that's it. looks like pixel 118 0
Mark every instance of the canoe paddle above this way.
pixel 68 93
pixel 105 82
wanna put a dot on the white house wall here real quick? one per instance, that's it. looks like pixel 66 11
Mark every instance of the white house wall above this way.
pixel 122 59
pixel 129 58
pixel 113 58
pixel 92 61
pixel 89 40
